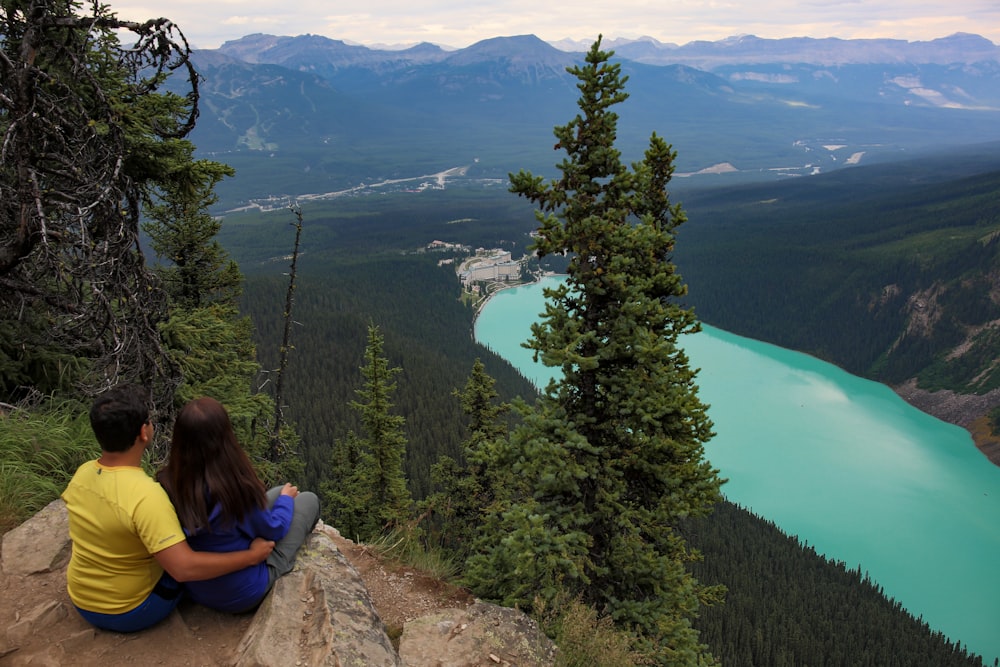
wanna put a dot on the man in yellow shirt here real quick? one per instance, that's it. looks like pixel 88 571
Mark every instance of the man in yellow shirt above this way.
pixel 129 551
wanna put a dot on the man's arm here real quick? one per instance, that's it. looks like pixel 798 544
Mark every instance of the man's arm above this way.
pixel 185 564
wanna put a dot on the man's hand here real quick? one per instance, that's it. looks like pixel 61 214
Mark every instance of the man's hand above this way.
pixel 261 548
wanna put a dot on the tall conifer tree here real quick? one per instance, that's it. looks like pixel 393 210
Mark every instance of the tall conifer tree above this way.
pixel 384 435
pixel 370 496
pixel 197 270
pixel 611 458
pixel 467 488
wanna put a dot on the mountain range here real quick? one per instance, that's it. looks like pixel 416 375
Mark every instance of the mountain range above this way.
pixel 742 49
pixel 307 114
pixel 831 51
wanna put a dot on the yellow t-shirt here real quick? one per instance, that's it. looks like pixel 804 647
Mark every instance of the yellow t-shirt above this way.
pixel 118 518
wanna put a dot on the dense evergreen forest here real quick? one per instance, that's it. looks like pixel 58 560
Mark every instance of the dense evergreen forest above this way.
pixel 427 334
pixel 786 604
pixel 364 262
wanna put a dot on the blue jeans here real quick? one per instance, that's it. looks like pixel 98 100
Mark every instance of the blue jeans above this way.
pixel 156 607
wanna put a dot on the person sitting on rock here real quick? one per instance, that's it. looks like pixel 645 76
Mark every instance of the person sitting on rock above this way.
pixel 223 506
pixel 129 551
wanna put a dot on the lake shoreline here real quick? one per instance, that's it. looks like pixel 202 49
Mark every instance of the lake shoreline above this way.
pixel 969 411
pixel 838 460
pixel 500 287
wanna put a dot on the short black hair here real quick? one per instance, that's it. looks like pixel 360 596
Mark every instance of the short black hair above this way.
pixel 117 416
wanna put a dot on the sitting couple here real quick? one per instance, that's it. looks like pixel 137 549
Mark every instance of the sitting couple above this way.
pixel 210 525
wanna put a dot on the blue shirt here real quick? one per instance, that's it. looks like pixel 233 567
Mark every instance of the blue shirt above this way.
pixel 238 591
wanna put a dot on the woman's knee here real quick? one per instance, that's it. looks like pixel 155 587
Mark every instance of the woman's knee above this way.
pixel 307 503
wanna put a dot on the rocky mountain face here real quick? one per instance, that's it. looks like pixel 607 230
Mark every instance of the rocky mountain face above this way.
pixel 319 614
pixel 531 61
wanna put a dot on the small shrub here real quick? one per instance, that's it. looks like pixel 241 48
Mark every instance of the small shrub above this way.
pixel 403 546
pixel 584 638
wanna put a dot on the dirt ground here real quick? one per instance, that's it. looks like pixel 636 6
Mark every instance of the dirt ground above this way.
pixel 195 636
pixel 400 594
pixel 986 441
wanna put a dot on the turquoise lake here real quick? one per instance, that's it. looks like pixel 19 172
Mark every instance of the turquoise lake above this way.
pixel 839 461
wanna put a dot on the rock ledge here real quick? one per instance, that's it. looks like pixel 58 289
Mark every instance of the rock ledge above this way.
pixel 319 614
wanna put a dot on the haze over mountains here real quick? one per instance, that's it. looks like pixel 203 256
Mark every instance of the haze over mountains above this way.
pixel 744 49
pixel 308 114
pixel 957 48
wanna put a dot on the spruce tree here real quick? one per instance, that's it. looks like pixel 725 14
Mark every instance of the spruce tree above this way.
pixel 347 493
pixel 611 458
pixel 466 489
pixel 367 491
pixel 384 437
pixel 196 270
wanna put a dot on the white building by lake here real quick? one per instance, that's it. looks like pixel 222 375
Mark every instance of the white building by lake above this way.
pixel 490 265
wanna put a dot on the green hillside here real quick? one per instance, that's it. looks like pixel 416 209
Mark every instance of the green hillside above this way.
pixel 364 261
pixel 883 270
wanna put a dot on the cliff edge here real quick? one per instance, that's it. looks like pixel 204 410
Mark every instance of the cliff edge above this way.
pixel 322 613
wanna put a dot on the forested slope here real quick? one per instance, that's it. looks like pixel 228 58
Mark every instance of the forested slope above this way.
pixel 426 329
pixel 363 263
pixel 789 606
pixel 786 605
pixel 889 271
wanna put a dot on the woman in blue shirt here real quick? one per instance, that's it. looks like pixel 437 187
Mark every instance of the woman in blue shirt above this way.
pixel 222 506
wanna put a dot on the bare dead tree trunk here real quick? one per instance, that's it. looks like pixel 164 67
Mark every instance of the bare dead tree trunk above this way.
pixel 275 451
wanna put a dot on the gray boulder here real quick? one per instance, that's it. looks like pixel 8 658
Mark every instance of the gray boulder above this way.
pixel 318 614
pixel 40 544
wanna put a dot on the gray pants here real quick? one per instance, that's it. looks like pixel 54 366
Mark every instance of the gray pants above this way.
pixel 304 518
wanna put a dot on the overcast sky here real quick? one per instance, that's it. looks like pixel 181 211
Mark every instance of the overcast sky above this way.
pixel 459 23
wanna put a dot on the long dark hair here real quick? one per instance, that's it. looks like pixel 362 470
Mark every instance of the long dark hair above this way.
pixel 206 465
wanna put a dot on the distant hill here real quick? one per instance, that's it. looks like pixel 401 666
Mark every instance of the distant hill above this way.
pixel 959 48
pixel 308 114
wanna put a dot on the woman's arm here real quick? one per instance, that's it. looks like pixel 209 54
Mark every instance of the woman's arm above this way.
pixel 273 523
